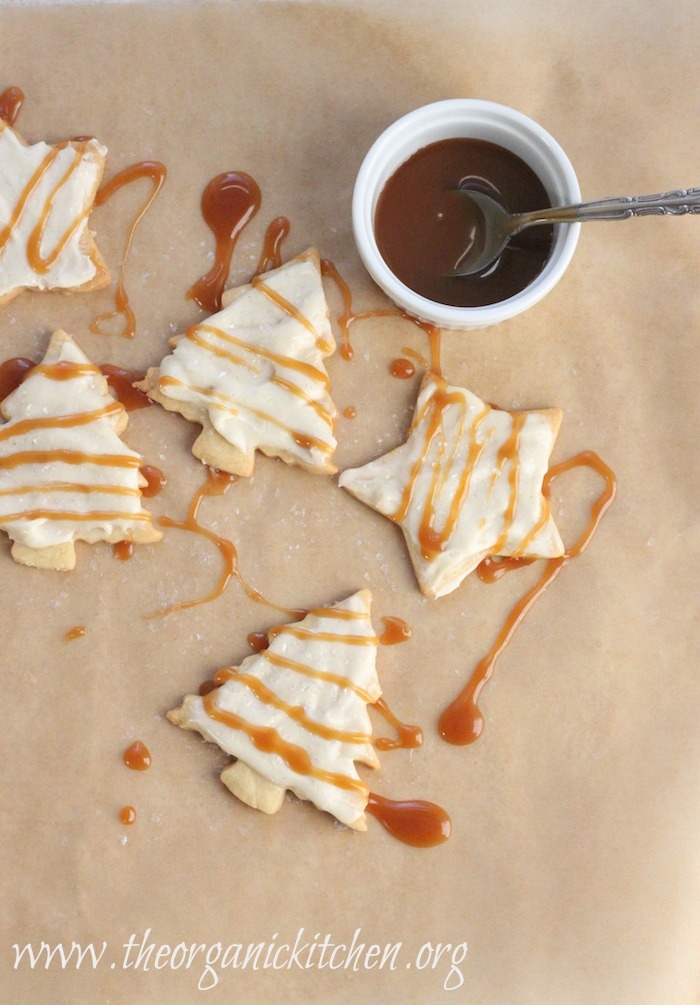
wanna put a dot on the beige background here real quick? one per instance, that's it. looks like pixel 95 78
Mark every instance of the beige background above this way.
pixel 573 868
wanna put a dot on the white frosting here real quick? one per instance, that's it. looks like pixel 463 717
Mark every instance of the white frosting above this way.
pixel 338 707
pixel 469 436
pixel 237 396
pixel 36 485
pixel 74 196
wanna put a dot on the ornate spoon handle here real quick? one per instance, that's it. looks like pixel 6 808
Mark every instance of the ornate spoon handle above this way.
pixel 683 200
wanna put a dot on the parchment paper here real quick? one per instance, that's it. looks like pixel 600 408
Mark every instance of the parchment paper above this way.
pixel 573 870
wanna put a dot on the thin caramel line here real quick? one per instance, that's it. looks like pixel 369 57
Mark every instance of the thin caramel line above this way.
pixel 296 713
pixel 312 372
pixel 509 452
pixel 291 310
pixel 269 741
pixel 59 421
pixel 48 514
pixel 118 490
pixel 304 633
pixel 69 457
pixel 339 613
pixel 307 671
pixel 58 371
pixel 318 406
pixel 475 451
pixel 193 336
pixel 431 541
pixel 17 212
pixel 38 262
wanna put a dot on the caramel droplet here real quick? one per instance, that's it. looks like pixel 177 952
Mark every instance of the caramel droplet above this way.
pixel 123 550
pixel 412 821
pixel 258 641
pixel 75 633
pixel 137 756
pixel 402 368
pixel 396 630
pixel 155 481
pixel 127 815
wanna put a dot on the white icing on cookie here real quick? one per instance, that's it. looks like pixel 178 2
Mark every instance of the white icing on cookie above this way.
pixel 255 370
pixel 467 483
pixel 309 691
pixel 46 193
pixel 65 475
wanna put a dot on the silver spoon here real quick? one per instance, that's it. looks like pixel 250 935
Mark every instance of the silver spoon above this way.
pixel 495 226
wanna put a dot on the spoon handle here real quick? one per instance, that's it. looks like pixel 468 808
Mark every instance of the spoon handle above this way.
pixel 683 200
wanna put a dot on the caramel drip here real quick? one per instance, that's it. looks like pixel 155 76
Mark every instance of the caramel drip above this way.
pixel 493 567
pixel 349 317
pixel 258 641
pixel 216 483
pixel 13 373
pixel 122 383
pixel 408 736
pixel 59 421
pixel 206 686
pixel 229 203
pixel 74 633
pixel 271 257
pixel 11 100
pixel 267 696
pixel 462 721
pixel 226 404
pixel 324 675
pixel 156 173
pixel 350 412
pixel 127 815
pixel 396 630
pixel 413 821
pixel 124 550
pixel 137 756
pixel 291 310
pixel 42 263
pixel 416 357
pixel 269 741
pixel 476 448
pixel 68 457
pixel 304 633
pixel 155 480
pixel 402 368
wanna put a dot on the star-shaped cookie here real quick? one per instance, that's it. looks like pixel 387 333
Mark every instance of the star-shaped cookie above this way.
pixel 467 483
pixel 295 715
pixel 65 475
pixel 46 194
pixel 253 374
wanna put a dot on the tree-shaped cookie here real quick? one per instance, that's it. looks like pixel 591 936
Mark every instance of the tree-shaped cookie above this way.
pixel 253 374
pixel 46 194
pixel 467 483
pixel 65 475
pixel 296 716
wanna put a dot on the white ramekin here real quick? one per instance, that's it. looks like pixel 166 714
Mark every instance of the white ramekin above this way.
pixel 484 120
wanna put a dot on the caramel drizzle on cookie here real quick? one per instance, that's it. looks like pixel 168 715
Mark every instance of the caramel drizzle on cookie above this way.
pixel 64 371
pixel 204 335
pixel 267 696
pixel 39 262
pixel 269 741
pixel 432 540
